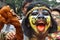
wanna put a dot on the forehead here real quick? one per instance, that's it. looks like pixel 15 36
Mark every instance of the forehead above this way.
pixel 40 10
pixel 27 4
pixel 55 12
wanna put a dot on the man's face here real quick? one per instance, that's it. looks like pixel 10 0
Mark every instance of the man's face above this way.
pixel 40 19
pixel 25 8
pixel 56 16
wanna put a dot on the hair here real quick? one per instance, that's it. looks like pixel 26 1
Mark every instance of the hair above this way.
pixel 55 9
pixel 28 0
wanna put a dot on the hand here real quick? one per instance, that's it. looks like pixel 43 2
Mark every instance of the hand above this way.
pixel 10 35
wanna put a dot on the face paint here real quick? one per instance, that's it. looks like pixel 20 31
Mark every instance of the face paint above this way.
pixel 40 20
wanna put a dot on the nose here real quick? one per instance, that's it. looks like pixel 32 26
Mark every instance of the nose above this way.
pixel 40 16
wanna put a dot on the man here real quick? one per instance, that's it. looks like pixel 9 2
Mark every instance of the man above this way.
pixel 39 24
pixel 56 15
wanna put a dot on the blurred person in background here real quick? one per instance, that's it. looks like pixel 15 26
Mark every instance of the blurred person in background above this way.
pixel 25 4
pixel 56 14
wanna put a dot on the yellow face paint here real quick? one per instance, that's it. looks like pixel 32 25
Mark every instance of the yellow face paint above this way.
pixel 33 26
pixel 48 23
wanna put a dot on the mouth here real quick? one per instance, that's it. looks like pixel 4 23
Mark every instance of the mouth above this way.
pixel 40 24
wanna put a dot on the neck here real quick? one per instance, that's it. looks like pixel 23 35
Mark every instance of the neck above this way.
pixel 40 36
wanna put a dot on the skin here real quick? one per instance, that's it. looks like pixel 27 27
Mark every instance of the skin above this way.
pixel 10 35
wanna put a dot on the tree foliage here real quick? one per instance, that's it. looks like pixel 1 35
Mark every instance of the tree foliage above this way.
pixel 16 4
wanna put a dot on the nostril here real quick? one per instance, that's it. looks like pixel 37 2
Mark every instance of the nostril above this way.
pixel 40 17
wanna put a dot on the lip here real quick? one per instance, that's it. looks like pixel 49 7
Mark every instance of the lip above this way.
pixel 40 27
pixel 40 24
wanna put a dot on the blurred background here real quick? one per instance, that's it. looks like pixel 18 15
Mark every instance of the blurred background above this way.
pixel 16 4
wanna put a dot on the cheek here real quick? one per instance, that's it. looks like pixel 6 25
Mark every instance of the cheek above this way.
pixel 58 20
pixel 54 17
pixel 48 19
pixel 32 19
pixel 25 9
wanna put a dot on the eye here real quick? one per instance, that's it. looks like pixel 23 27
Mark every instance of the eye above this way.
pixel 34 13
pixel 45 12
